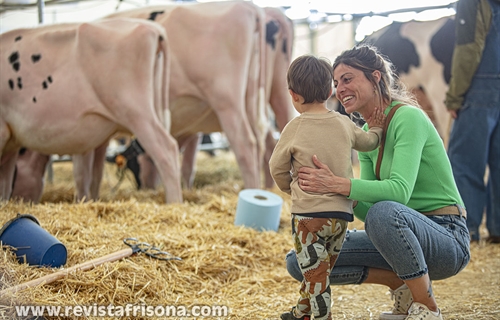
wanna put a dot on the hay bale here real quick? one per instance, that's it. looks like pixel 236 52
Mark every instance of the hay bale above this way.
pixel 222 264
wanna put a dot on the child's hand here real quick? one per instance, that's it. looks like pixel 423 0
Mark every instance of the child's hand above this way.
pixel 376 119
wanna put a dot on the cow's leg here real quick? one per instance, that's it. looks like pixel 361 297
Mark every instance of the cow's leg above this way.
pixel 7 169
pixel 164 151
pixel 190 146
pixel 7 163
pixel 281 116
pixel 243 143
pixel 82 172
pixel 270 144
pixel 29 183
pixel 97 170
pixel 282 108
pixel 148 172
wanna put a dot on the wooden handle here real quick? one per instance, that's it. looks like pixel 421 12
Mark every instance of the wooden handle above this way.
pixel 63 273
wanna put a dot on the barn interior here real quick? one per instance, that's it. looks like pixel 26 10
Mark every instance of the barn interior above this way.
pixel 225 271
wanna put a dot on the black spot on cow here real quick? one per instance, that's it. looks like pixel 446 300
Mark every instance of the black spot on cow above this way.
pixel 18 38
pixel 13 57
pixel 284 47
pixel 442 45
pixel 19 83
pixel 271 29
pixel 45 83
pixel 11 84
pixel 152 15
pixel 399 50
pixel 34 99
pixel 36 57
pixel 14 61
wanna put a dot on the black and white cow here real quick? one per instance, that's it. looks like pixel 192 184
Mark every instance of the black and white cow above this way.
pixel 421 51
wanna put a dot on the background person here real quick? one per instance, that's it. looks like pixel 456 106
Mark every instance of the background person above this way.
pixel 415 229
pixel 473 99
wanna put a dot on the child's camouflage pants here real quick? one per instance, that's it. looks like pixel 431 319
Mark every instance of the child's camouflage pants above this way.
pixel 317 242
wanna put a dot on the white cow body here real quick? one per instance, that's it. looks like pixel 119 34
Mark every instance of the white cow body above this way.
pixel 66 89
pixel 217 78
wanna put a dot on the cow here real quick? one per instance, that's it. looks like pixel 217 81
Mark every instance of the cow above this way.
pixel 278 54
pixel 67 88
pixel 217 79
pixel 421 51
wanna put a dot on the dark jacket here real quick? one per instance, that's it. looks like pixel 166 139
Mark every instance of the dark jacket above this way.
pixel 477 46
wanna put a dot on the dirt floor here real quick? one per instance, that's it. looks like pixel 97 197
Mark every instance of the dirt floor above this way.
pixel 223 265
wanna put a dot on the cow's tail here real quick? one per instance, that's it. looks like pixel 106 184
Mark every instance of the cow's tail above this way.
pixel 290 39
pixel 262 103
pixel 165 85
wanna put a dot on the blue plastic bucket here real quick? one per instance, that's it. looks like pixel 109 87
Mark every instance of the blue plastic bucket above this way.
pixel 33 244
pixel 258 209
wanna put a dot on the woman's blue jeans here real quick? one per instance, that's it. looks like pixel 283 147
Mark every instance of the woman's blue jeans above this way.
pixel 400 239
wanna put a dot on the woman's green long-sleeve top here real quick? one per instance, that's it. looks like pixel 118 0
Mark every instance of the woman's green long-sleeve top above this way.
pixel 415 169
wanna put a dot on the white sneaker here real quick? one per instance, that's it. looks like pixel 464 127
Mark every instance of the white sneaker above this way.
pixel 420 311
pixel 402 301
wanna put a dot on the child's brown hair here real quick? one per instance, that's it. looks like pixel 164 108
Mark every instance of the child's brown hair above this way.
pixel 311 77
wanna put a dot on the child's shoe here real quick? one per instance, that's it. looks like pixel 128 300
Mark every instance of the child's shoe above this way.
pixel 290 315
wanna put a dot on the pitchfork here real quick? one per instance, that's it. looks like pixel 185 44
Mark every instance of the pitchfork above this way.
pixel 134 247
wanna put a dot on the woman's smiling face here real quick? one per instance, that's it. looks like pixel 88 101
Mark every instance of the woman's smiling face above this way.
pixel 354 90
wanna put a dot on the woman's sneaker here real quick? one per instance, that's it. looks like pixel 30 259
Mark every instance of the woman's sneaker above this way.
pixel 420 311
pixel 290 315
pixel 402 301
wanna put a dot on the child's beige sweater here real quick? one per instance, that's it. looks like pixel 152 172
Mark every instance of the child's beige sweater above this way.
pixel 330 136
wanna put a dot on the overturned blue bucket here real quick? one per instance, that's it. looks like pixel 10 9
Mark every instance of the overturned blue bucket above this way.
pixel 33 244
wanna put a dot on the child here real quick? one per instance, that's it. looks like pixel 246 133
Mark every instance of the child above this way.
pixel 319 221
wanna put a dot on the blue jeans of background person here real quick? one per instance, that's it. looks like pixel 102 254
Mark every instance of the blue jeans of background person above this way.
pixel 475 137
pixel 400 239
pixel 474 144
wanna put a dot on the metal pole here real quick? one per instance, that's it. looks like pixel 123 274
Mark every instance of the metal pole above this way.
pixel 41 5
pixel 313 37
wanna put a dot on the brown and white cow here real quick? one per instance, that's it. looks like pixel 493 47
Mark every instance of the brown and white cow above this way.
pixel 217 78
pixel 66 89
pixel 421 52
